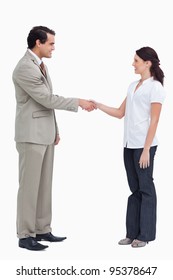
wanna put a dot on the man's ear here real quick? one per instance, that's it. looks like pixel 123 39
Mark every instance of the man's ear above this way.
pixel 38 43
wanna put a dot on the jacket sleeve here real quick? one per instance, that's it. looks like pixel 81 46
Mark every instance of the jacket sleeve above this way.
pixel 30 79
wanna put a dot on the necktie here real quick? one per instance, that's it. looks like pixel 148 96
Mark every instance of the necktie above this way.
pixel 43 68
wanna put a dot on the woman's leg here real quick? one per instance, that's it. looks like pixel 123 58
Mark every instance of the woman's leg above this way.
pixel 134 200
pixel 147 191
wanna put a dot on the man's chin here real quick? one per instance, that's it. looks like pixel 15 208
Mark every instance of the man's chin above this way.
pixel 48 56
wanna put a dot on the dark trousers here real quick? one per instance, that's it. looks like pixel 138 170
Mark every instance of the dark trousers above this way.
pixel 141 206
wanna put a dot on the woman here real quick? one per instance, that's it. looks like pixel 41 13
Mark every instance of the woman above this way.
pixel 141 109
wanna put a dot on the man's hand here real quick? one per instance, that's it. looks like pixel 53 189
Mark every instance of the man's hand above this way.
pixel 57 140
pixel 87 105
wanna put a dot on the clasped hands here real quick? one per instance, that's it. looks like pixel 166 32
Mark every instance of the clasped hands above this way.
pixel 88 105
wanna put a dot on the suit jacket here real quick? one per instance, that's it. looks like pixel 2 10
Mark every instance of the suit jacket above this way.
pixel 35 120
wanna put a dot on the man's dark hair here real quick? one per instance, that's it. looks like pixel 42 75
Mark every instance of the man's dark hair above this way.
pixel 38 33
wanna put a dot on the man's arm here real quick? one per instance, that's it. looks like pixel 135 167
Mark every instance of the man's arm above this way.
pixel 30 80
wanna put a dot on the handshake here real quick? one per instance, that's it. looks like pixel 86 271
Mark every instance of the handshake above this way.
pixel 88 105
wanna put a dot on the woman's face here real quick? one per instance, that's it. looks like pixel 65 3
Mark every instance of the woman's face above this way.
pixel 140 66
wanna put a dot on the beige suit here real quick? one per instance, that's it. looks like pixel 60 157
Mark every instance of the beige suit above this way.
pixel 35 133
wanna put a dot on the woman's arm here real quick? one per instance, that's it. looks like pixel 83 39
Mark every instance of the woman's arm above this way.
pixel 155 114
pixel 114 112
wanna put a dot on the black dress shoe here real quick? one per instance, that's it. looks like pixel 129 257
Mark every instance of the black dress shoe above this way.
pixel 30 243
pixel 49 237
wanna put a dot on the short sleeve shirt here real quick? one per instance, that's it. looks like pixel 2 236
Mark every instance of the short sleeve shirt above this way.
pixel 137 113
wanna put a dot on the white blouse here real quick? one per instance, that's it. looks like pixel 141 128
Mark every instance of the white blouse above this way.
pixel 137 113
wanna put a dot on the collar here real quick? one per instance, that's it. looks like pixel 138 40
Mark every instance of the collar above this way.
pixel 36 57
pixel 147 80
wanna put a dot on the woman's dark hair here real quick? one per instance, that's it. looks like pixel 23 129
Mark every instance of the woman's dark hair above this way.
pixel 38 33
pixel 147 53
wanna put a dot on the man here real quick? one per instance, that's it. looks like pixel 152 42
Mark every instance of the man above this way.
pixel 36 133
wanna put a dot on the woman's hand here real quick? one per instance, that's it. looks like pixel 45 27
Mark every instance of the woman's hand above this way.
pixel 144 161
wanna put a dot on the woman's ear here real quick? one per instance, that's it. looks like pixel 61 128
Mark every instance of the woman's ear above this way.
pixel 148 63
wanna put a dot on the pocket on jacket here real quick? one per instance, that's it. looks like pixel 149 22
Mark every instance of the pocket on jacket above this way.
pixel 41 113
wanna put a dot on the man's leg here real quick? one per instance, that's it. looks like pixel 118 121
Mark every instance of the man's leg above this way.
pixel 30 166
pixel 44 202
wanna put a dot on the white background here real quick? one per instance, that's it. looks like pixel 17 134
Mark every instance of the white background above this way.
pixel 95 45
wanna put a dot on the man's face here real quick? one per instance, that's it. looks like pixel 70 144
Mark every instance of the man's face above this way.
pixel 45 50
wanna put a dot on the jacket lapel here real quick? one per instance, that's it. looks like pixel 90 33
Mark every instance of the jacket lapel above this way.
pixel 47 79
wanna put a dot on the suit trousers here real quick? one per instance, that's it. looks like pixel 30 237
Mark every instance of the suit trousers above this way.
pixel 34 199
pixel 141 206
